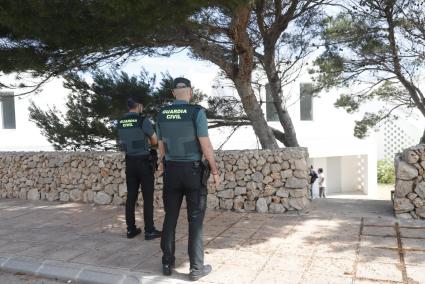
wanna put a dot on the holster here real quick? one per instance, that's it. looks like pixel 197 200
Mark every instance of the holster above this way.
pixel 153 160
pixel 206 171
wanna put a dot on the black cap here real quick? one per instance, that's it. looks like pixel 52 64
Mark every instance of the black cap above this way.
pixel 181 82
pixel 131 102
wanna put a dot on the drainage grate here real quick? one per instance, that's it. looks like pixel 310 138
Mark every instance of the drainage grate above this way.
pixel 400 250
pixel 401 254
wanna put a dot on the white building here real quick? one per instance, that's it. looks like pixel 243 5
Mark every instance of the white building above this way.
pixel 394 136
pixel 17 132
pixel 349 163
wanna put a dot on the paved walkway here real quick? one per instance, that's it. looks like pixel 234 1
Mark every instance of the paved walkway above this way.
pixel 340 241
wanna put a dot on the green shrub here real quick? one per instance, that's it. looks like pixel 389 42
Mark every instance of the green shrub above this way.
pixel 386 172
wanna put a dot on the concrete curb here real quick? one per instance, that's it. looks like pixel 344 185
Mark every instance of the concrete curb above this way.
pixel 77 273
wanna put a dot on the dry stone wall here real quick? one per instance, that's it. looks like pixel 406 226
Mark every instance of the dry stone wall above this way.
pixel 258 180
pixel 409 193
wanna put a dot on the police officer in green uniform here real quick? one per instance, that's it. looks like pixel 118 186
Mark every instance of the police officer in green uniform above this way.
pixel 136 133
pixel 182 140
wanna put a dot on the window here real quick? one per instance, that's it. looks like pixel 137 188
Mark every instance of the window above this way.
pixel 7 104
pixel 306 101
pixel 271 112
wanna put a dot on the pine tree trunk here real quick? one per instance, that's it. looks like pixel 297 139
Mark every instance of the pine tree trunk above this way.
pixel 422 140
pixel 255 114
pixel 275 89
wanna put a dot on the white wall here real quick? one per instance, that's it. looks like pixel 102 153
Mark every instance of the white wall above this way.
pixel 353 176
pixel 27 136
pixel 394 136
pixel 333 175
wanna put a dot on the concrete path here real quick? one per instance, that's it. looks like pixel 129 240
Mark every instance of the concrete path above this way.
pixel 18 278
pixel 340 241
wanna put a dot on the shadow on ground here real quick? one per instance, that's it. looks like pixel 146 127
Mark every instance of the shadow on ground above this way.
pixel 332 244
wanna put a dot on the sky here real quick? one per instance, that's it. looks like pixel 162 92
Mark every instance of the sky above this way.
pixel 200 73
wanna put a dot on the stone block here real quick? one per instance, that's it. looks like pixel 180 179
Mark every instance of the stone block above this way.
pixel 261 205
pixel 238 203
pixel 275 176
pixel 276 199
pixel 239 175
pixel 251 185
pixel 412 195
pixel 226 204
pixel 299 203
pixel 117 200
pixel 403 187
pixel 300 164
pixel 64 197
pixel 267 180
pixel 403 205
pixel 275 168
pixel 249 205
pixel 229 176
pixel 286 174
pixel 240 190
pixel 406 171
pixel 99 277
pixel 33 194
pixel 276 208
pixel 212 201
pixel 298 192
pixel 228 193
pixel 230 184
pixel 410 156
pixel 269 190
pixel 420 190
pixel 283 192
pixel 300 174
pixel 18 265
pixel 294 182
pixel 23 194
pixel 52 195
pixel 75 195
pixel 404 216
pixel 278 183
pixel 102 198
pixel 122 190
pixel 420 211
pixel 266 169
pixel 242 164
pixel 261 161
pixel 418 202
pixel 257 177
pixel 285 165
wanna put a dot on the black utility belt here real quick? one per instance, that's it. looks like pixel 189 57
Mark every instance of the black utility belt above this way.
pixel 180 164
pixel 137 157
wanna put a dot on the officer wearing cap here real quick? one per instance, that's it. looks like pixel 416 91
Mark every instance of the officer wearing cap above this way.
pixel 182 140
pixel 136 133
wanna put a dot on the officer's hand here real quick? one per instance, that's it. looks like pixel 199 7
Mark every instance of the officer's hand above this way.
pixel 216 179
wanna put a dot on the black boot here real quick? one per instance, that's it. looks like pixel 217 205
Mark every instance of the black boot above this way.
pixel 131 233
pixel 167 269
pixel 197 274
pixel 150 235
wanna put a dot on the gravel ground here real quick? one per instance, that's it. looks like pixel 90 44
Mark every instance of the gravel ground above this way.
pixel 10 278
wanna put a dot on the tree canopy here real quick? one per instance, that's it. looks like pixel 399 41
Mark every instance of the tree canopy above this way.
pixel 92 109
pixel 378 46
pixel 54 37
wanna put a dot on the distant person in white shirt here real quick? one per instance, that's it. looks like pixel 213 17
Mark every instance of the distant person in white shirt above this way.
pixel 322 183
